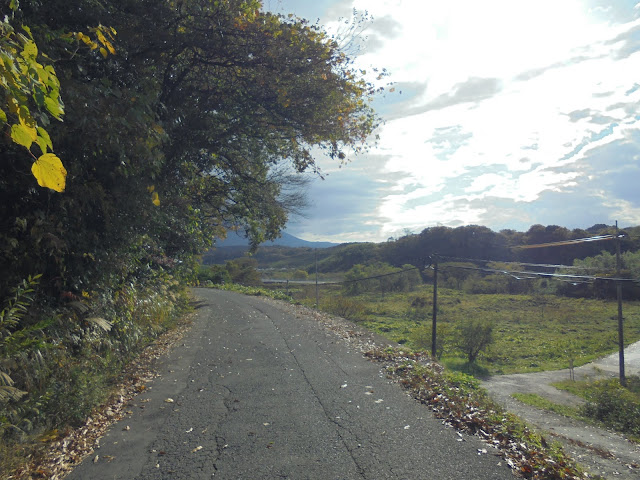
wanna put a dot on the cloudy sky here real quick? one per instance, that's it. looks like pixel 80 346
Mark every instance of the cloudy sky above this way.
pixel 506 114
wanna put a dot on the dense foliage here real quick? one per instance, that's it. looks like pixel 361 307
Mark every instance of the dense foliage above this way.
pixel 616 406
pixel 381 278
pixel 174 138
pixel 474 259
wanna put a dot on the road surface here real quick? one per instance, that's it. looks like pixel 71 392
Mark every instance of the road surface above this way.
pixel 256 391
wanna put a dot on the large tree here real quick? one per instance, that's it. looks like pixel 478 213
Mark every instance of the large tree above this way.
pixel 174 134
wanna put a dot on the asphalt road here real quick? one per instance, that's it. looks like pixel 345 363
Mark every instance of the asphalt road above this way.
pixel 255 391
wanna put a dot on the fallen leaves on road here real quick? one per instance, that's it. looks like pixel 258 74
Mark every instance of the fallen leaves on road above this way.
pixel 535 460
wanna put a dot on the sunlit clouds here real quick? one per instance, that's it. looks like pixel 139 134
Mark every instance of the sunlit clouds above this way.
pixel 504 114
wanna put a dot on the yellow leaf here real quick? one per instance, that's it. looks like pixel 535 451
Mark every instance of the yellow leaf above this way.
pixel 103 51
pixel 151 188
pixel 155 199
pixel 30 50
pixel 13 105
pixel 101 37
pixel 49 172
pixel 23 134
pixel 3 116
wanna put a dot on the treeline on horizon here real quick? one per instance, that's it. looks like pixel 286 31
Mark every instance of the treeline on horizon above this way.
pixel 472 246
pixel 465 242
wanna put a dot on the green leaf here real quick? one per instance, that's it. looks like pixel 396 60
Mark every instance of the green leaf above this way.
pixel 3 116
pixel 42 144
pixel 50 172
pixel 43 136
pixel 10 393
pixel 54 106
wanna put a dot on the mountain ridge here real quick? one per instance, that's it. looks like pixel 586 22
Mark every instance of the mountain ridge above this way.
pixel 286 240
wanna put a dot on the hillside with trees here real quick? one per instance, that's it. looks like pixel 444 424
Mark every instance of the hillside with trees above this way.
pixel 469 253
pixel 466 242
pixel 135 133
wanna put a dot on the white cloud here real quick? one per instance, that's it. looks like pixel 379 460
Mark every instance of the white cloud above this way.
pixel 507 107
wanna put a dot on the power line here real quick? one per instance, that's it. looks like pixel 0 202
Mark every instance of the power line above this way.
pixel 373 277
pixel 598 238
pixel 529 274
pixel 540 265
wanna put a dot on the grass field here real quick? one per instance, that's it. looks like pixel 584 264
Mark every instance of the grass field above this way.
pixel 531 332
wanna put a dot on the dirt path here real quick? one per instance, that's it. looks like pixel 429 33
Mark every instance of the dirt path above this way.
pixel 604 453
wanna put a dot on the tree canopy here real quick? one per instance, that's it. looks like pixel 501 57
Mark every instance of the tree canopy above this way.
pixel 168 120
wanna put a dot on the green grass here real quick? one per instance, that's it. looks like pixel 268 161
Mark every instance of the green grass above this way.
pixel 252 291
pixel 542 403
pixel 531 332
pixel 578 388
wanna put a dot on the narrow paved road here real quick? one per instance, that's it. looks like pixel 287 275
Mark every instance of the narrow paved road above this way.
pixel 255 391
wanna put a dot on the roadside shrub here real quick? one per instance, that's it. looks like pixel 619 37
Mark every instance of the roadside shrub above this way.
pixel 244 271
pixel 345 307
pixel 420 309
pixel 214 274
pixel 615 406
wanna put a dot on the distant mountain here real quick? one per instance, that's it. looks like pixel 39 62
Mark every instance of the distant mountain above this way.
pixel 286 240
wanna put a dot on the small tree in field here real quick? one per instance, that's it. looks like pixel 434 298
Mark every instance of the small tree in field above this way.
pixel 300 275
pixel 474 337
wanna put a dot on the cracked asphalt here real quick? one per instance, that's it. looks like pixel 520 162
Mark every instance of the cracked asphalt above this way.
pixel 257 391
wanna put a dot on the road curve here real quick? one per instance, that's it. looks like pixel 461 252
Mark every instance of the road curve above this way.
pixel 603 452
pixel 256 391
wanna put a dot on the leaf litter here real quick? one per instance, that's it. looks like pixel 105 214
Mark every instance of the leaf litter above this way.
pixel 67 451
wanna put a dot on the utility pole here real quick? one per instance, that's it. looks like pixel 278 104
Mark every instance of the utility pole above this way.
pixel 316 257
pixel 435 306
pixel 623 380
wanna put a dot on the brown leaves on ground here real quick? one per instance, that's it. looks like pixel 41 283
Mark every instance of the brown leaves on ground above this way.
pixel 63 454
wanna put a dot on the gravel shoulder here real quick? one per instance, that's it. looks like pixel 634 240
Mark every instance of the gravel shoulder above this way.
pixel 603 452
